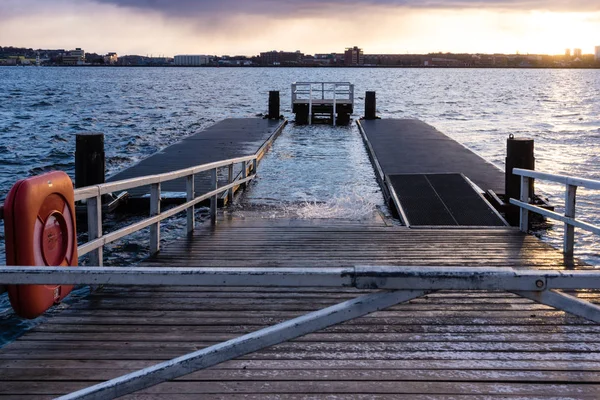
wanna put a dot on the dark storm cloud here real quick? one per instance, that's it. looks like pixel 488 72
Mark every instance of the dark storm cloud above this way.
pixel 283 7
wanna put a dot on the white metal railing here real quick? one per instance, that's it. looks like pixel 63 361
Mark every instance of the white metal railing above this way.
pixel 93 194
pixel 569 220
pixel 321 93
pixel 399 283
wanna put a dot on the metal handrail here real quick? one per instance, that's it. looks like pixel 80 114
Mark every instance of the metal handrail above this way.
pixel 569 220
pixel 307 88
pixel 344 95
pixel 93 194
pixel 110 187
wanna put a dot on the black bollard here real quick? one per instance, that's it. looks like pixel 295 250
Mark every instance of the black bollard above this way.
pixel 273 104
pixel 370 106
pixel 89 159
pixel 519 154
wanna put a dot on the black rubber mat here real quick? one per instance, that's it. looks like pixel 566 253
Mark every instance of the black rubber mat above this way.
pixel 441 200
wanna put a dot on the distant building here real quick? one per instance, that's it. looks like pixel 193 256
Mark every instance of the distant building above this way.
pixel 281 57
pixel 111 59
pixel 191 60
pixel 577 53
pixel 597 54
pixel 74 57
pixel 354 56
pixel 568 53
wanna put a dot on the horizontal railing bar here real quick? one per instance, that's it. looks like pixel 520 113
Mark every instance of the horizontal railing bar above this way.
pixel 105 188
pixel 362 277
pixel 111 237
pixel 324 83
pixel 285 277
pixel 554 215
pixel 87 192
pixel 567 180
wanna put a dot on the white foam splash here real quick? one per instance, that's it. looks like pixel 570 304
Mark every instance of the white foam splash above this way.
pixel 352 206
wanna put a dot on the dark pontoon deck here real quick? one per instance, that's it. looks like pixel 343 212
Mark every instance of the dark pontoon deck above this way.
pixel 227 139
pixel 410 146
pixel 422 173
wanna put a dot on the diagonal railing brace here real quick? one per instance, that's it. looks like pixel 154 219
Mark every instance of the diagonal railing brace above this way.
pixel 246 344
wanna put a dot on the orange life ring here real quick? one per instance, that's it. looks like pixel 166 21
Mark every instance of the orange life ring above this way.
pixel 39 216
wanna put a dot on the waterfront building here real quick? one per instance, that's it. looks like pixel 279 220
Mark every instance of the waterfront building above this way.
pixel 281 57
pixel 568 53
pixel 354 56
pixel 191 60
pixel 111 59
pixel 597 54
pixel 577 53
pixel 74 57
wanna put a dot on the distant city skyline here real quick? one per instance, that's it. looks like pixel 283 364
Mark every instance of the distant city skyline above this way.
pixel 247 27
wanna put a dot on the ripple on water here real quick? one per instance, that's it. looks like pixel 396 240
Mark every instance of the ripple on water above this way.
pixel 41 104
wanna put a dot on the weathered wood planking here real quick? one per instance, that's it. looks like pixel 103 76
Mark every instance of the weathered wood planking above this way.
pixel 444 345
pixel 410 146
pixel 230 138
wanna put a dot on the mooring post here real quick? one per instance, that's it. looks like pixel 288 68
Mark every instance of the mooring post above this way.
pixel 274 104
pixel 89 159
pixel 370 106
pixel 519 154
pixel 214 184
pixel 569 235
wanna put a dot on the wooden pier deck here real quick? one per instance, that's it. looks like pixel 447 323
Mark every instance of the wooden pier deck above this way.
pixel 230 138
pixel 447 345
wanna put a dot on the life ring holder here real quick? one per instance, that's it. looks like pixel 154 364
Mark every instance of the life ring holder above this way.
pixel 39 216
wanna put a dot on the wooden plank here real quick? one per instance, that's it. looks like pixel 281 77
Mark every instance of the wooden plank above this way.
pixel 332 387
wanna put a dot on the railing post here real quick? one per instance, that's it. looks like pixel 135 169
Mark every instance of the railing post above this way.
pixel 310 95
pixel 94 215
pixel 334 105
pixel 244 172
pixel 524 220
pixel 154 210
pixel 213 200
pixel 189 184
pixel 230 181
pixel 569 239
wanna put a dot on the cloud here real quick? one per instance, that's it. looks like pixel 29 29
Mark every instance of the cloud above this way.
pixel 295 8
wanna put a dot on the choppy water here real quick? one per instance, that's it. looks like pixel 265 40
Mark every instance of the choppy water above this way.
pixel 314 171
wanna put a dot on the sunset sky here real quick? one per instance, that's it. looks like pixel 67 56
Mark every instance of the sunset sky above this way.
pixel 247 27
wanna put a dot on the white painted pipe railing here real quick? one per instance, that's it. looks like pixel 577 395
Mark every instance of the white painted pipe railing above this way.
pixel 343 91
pixel 398 277
pixel 569 220
pixel 332 92
pixel 93 194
